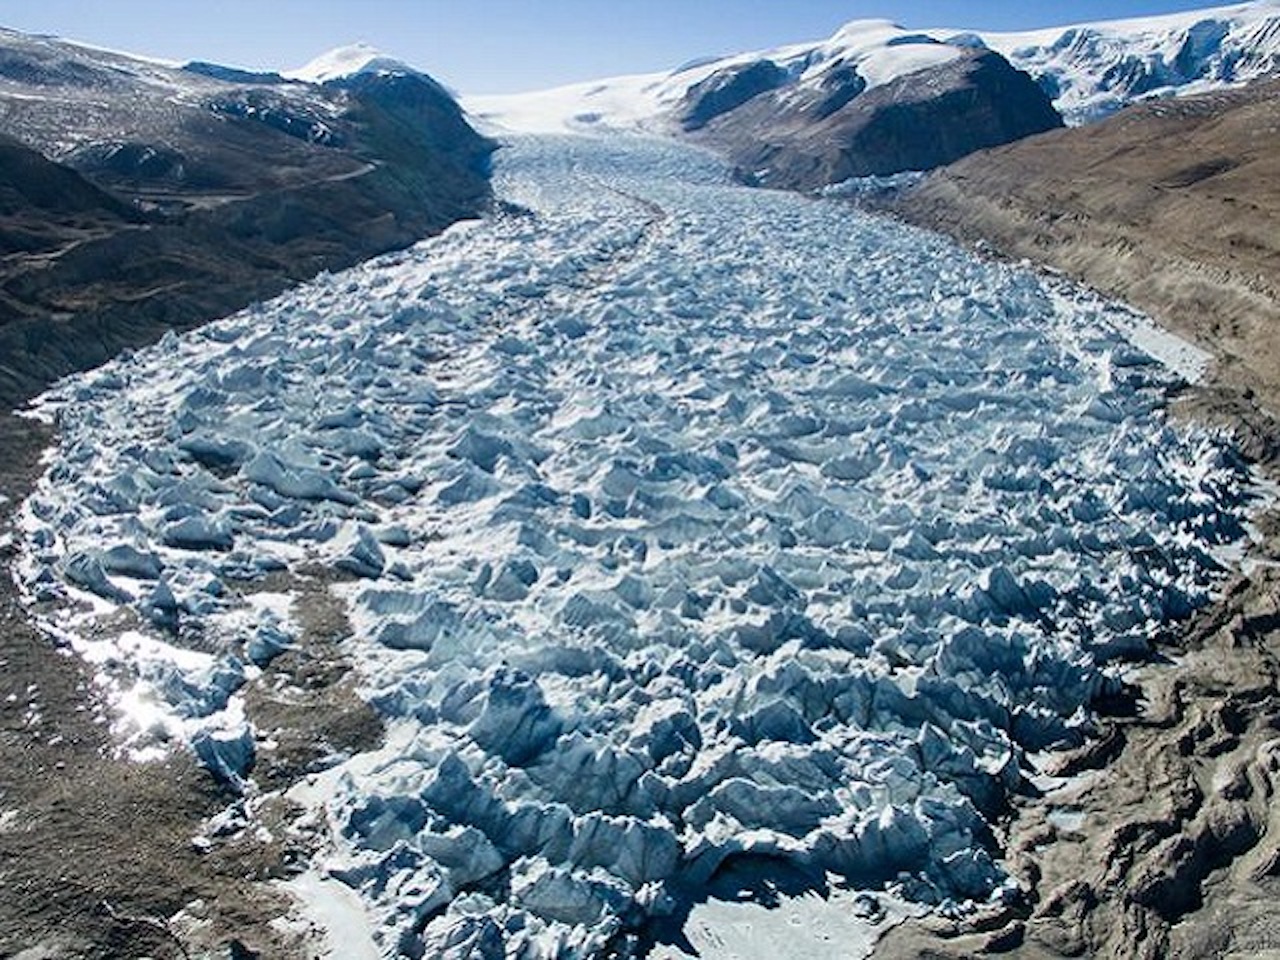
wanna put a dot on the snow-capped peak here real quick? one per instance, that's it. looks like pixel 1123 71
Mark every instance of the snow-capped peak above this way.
pixel 856 31
pixel 348 61
pixel 884 51
pixel 1089 70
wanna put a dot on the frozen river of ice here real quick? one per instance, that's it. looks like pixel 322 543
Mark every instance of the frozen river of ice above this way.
pixel 689 534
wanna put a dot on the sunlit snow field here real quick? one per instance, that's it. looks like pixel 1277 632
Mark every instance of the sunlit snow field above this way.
pixel 693 535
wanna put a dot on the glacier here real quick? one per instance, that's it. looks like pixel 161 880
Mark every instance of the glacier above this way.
pixel 686 532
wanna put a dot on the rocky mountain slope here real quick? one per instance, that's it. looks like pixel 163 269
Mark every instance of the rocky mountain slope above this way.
pixel 832 131
pixel 872 99
pixel 141 197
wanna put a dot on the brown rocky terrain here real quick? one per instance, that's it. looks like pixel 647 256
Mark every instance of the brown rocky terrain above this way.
pixel 98 852
pixel 1163 838
pixel 1170 205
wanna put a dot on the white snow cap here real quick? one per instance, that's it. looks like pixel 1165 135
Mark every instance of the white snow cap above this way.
pixel 348 61
pixel 879 49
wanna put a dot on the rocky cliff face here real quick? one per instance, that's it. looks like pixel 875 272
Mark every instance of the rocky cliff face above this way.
pixel 837 129
pixel 140 198
pixel 728 89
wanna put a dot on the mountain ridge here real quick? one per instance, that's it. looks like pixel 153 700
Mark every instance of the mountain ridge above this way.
pixel 846 130
pixel 1088 68
pixel 211 188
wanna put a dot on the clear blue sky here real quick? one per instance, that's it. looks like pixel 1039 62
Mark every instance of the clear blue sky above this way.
pixel 499 46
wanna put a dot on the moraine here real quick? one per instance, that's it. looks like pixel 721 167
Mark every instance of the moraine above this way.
pixel 689 534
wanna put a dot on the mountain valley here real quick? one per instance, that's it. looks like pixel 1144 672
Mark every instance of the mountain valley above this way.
pixel 619 521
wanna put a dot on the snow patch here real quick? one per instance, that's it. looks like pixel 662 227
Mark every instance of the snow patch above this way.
pixel 335 917
pixel 342 63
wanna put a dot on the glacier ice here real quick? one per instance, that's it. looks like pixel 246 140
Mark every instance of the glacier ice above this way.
pixel 681 527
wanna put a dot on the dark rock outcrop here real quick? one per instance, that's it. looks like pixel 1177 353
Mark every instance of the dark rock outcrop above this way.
pixel 129 160
pixel 807 137
pixel 727 90
pixel 39 190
